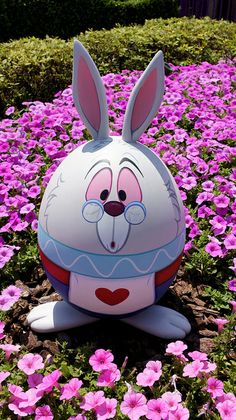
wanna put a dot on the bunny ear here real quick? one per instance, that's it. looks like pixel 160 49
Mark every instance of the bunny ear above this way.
pixel 144 100
pixel 89 93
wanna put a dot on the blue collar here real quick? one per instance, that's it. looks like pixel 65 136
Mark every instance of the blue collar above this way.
pixel 106 265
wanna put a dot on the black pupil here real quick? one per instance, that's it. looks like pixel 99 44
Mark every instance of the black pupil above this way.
pixel 122 195
pixel 104 194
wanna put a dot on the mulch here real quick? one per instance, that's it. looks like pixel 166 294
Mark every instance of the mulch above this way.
pixel 185 296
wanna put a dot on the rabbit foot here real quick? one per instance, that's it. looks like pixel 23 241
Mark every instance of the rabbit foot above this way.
pixel 56 316
pixel 161 322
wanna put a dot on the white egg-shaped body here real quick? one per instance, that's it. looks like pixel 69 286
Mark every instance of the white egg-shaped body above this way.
pixel 111 228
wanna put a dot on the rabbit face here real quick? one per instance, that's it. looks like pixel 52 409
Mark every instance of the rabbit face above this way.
pixel 113 195
pixel 118 198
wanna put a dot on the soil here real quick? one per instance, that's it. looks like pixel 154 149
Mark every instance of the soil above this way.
pixel 184 296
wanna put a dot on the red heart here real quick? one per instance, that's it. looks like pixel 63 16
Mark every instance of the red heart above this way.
pixel 111 298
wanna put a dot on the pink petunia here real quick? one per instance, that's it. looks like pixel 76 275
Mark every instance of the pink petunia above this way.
pixel 134 405
pixel 157 409
pixel 227 410
pixel 233 303
pixel 193 369
pixel 3 376
pixel 215 387
pixel 49 382
pixel 92 400
pixel 148 377
pixel 71 389
pixel 9 349
pixel 30 362
pixel 108 377
pixel 176 348
pixel 6 303
pixel 34 380
pixel 230 241
pixel 232 285
pixel 198 355
pixel 107 410
pixel 213 249
pixel 182 413
pixel 43 413
pixel 101 360
pixel 155 366
pixel 172 399
pixel 2 325
pixel 12 292
pixel 220 323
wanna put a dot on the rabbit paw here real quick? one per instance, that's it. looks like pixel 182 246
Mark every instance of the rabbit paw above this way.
pixel 56 316
pixel 161 322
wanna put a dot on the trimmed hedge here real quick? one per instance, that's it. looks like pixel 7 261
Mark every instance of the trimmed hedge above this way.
pixel 33 69
pixel 64 19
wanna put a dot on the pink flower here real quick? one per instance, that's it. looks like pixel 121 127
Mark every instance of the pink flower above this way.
pixel 148 377
pixel 181 413
pixel 230 241
pixel 9 349
pixel 101 360
pixel 92 400
pixel 232 285
pixel 220 323
pixel 194 369
pixel 208 366
pixel 172 399
pixel 108 377
pixel 221 201
pixel 3 376
pixel 71 389
pixel 157 409
pixel 215 387
pixel 43 413
pixel 29 398
pixel 227 410
pixel 49 382
pixel 155 366
pixel 176 348
pixel 233 303
pixel 10 110
pixel 2 325
pixel 34 380
pixel 134 405
pixel 78 417
pixel 213 249
pixel 6 303
pixel 107 410
pixel 198 355
pixel 30 362
pixel 12 292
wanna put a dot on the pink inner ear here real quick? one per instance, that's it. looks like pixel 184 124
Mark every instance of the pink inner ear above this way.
pixel 87 95
pixel 144 100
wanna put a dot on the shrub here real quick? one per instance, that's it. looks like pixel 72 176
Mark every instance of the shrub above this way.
pixel 69 17
pixel 35 69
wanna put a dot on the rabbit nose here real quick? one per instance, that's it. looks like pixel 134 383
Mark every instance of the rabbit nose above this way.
pixel 114 208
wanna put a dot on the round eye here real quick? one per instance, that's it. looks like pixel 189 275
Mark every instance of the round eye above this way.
pixel 122 195
pixel 128 187
pixel 104 194
pixel 100 186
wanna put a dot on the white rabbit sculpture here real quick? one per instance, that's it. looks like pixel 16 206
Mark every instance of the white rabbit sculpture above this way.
pixel 111 223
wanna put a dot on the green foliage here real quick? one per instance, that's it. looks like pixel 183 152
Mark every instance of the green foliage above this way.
pixel 219 298
pixel 20 18
pixel 34 69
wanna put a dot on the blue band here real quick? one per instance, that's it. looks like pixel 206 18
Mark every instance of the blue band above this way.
pixel 110 266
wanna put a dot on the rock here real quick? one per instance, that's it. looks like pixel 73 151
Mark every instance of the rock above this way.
pixel 50 298
pixel 51 346
pixel 206 345
pixel 208 333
